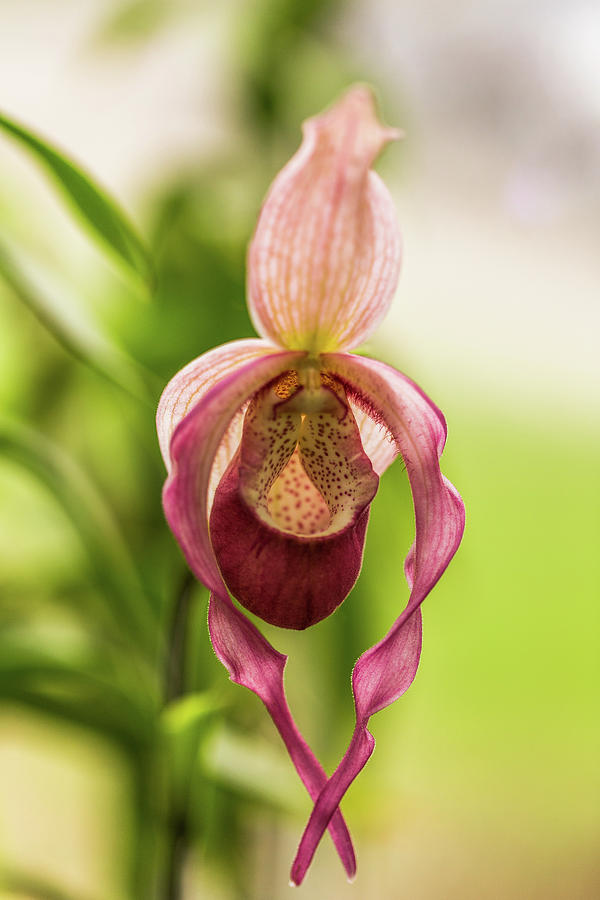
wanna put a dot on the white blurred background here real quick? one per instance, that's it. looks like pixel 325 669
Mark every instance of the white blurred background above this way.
pixel 497 180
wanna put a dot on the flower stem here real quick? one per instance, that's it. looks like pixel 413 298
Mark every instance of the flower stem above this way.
pixel 175 663
pixel 176 852
pixel 174 687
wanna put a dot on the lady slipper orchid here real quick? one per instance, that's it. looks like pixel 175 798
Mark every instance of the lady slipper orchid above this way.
pixel 274 446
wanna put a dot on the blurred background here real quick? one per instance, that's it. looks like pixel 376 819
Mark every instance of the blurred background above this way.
pixel 122 777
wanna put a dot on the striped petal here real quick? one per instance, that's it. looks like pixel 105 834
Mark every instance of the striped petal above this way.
pixel 378 443
pixel 385 671
pixel 325 258
pixel 193 450
pixel 192 382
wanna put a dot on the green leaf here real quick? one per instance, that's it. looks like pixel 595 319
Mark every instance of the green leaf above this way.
pixel 75 331
pixel 79 682
pixel 114 569
pixel 135 21
pixel 251 767
pixel 185 723
pixel 97 210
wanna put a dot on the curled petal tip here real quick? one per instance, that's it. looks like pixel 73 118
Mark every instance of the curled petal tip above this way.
pixel 395 134
pixel 356 110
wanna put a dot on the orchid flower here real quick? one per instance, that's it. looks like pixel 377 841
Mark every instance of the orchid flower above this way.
pixel 274 445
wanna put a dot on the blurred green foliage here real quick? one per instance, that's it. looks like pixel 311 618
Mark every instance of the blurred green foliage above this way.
pixel 104 631
pixel 95 207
